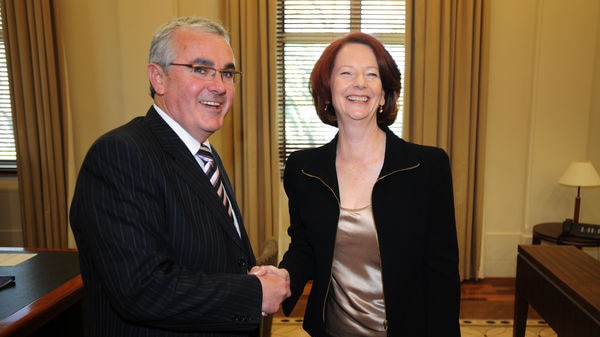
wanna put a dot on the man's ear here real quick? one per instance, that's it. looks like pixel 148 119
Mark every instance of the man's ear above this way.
pixel 156 75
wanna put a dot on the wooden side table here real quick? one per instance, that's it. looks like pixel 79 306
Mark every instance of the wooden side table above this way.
pixel 552 232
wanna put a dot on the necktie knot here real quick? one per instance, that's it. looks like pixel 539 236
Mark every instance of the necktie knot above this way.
pixel 205 154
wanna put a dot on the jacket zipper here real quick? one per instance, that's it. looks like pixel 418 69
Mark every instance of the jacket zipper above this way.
pixel 385 321
pixel 323 305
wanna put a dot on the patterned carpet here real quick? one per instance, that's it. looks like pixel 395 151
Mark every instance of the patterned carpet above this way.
pixel 502 328
pixel 292 327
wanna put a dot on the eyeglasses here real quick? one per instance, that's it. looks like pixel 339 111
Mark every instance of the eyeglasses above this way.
pixel 209 73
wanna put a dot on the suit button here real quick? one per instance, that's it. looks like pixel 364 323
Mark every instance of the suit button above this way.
pixel 242 263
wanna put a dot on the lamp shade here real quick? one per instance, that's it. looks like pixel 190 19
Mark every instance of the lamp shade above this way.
pixel 580 174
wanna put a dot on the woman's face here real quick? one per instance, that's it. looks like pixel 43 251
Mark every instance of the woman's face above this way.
pixel 356 89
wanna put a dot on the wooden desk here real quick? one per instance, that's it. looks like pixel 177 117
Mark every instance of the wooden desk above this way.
pixel 47 298
pixel 552 232
pixel 562 284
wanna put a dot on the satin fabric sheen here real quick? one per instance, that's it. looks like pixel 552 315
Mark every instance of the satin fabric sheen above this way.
pixel 355 306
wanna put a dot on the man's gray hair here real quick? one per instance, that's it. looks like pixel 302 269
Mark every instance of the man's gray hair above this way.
pixel 161 50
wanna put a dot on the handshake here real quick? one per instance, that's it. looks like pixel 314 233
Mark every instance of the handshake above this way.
pixel 275 284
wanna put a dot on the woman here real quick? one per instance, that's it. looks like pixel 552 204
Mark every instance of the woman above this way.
pixel 371 215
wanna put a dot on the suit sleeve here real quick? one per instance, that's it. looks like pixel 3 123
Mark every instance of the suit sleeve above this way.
pixel 442 251
pixel 298 259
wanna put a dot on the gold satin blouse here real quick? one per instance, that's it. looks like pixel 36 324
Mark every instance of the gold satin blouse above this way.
pixel 355 305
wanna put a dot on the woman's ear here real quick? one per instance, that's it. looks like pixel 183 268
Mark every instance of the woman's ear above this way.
pixel 156 75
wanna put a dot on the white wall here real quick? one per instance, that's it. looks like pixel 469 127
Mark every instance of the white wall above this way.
pixel 591 198
pixel 543 83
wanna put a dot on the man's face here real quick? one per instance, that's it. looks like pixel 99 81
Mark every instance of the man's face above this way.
pixel 196 101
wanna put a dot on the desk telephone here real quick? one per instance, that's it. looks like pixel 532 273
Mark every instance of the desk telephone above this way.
pixel 583 230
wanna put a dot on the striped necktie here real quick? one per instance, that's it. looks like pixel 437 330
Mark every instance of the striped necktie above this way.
pixel 213 173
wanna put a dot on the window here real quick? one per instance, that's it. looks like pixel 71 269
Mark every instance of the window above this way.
pixel 304 29
pixel 8 152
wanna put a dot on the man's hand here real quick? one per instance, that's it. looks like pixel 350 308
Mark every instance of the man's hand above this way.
pixel 275 286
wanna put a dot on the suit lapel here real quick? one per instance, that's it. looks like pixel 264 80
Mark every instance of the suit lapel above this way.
pixel 187 166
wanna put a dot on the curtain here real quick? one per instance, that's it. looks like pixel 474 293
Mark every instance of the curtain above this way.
pixel 34 57
pixel 251 135
pixel 445 102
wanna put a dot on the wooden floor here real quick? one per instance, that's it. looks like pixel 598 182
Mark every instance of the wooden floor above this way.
pixel 491 298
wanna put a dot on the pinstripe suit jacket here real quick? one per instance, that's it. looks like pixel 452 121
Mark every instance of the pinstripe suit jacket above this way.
pixel 159 255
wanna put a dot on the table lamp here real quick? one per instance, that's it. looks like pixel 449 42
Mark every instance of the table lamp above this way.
pixel 579 174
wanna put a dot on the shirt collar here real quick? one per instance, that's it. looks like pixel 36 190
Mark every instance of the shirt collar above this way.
pixel 190 142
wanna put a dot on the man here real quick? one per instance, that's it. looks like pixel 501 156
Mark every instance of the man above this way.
pixel 163 251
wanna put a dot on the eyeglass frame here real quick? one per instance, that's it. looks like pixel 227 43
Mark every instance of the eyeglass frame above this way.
pixel 214 71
